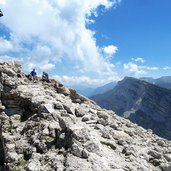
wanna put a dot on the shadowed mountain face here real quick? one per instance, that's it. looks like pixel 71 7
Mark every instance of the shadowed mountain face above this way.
pixel 146 104
pixel 164 82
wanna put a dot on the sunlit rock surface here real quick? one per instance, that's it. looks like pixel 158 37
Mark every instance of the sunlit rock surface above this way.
pixel 47 126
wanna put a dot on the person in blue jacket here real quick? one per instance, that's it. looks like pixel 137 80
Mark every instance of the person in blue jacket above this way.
pixel 33 75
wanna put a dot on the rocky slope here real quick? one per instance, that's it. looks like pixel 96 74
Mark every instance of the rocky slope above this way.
pixel 47 126
pixel 143 103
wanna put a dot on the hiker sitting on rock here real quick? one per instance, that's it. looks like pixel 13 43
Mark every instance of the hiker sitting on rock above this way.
pixel 45 77
pixel 33 75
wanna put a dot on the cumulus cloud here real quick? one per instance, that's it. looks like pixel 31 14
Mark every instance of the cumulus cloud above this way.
pixel 85 80
pixel 9 58
pixel 49 32
pixel 110 50
pixel 138 60
pixel 137 70
pixel 134 69
pixel 5 45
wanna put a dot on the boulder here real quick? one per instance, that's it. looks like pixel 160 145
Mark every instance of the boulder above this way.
pixel 46 108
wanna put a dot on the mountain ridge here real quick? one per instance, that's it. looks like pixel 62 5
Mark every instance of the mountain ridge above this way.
pixel 133 97
pixel 164 81
pixel 48 126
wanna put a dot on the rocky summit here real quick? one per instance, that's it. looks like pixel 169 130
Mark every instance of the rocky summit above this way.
pixel 49 127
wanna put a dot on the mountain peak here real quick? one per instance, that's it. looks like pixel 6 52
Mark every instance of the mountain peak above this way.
pixel 48 126
pixel 144 103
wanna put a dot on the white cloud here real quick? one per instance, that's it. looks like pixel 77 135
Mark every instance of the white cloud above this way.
pixel 2 1
pixel 39 69
pixel 138 60
pixel 47 67
pixel 5 45
pixel 134 69
pixel 84 80
pixel 148 68
pixel 138 70
pixel 166 68
pixel 46 31
pixel 110 50
pixel 9 58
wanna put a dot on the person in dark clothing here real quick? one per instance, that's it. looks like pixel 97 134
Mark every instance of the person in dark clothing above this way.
pixel 45 77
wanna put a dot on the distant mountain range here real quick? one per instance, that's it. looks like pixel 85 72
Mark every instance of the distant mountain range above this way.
pixel 88 92
pixel 164 81
pixel 143 103
pixel 85 91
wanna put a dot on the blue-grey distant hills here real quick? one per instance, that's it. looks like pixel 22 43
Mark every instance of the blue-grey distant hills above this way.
pixel 143 103
pixel 85 91
pixel 164 81
pixel 103 89
pixel 88 92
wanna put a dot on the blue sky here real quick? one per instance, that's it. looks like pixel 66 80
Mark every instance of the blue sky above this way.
pixel 88 43
pixel 140 29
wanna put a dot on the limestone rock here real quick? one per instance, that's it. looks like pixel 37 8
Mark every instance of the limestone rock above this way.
pixel 34 165
pixel 46 108
pixel 168 157
pixel 166 167
pixel 80 112
pixel 154 154
pixel 52 127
